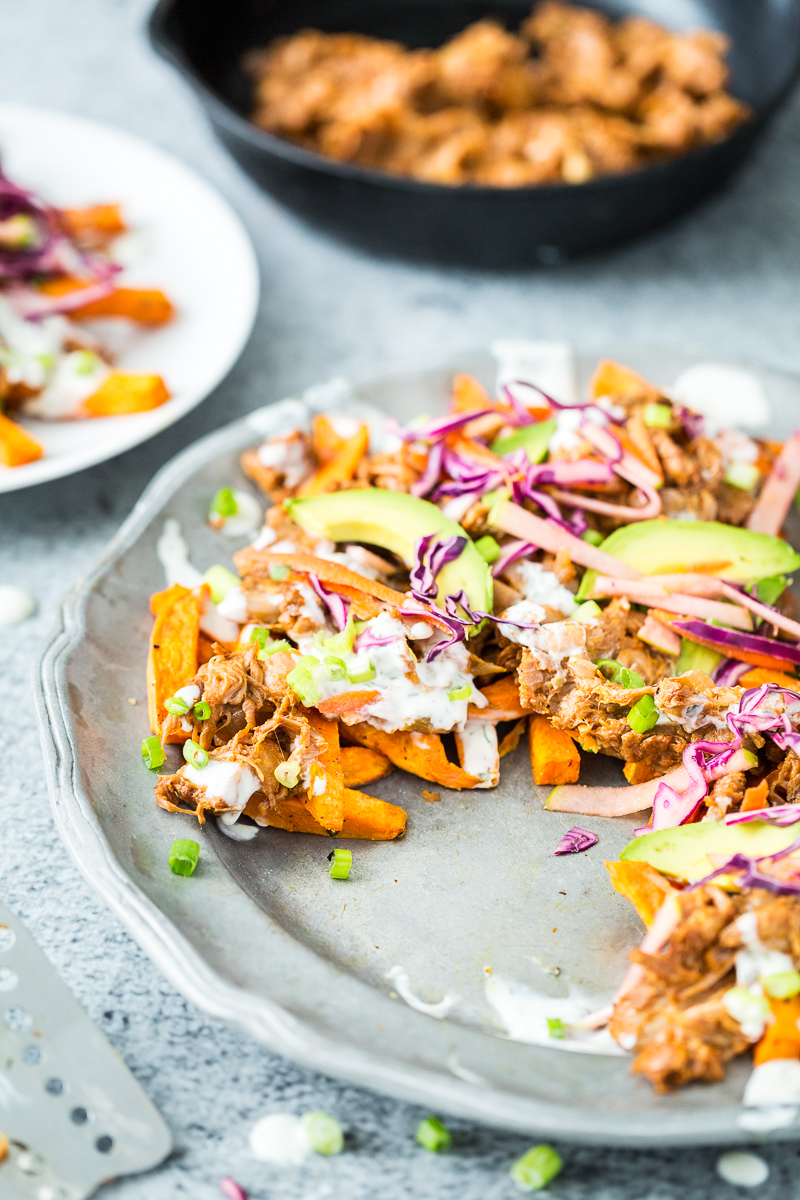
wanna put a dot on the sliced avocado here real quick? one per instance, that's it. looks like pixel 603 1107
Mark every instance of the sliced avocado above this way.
pixel 709 547
pixel 396 522
pixel 533 439
pixel 683 852
pixel 694 657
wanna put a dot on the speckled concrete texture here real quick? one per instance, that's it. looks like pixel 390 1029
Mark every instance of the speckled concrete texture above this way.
pixel 726 277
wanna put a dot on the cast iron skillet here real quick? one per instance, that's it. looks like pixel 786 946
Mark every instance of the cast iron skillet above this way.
pixel 473 226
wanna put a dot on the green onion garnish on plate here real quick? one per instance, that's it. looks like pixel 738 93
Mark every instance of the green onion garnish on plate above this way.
pixel 341 861
pixel 177 706
pixel 462 693
pixel 555 1027
pixel 224 504
pixel 644 715
pixel 202 710
pixel 183 856
pixel 152 752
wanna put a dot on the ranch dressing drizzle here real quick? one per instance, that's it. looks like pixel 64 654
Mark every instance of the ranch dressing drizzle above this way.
pixel 173 554
pixel 479 752
pixel 280 1139
pixel 399 977
pixel 228 783
pixel 524 1013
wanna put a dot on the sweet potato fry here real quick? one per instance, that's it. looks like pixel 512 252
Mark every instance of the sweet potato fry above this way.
pixel 347 705
pixel 760 675
pixel 468 394
pixel 420 754
pixel 105 219
pixel 372 819
pixel 147 306
pixel 365 818
pixel 361 765
pixel 340 468
pixel 120 394
pixel 613 379
pixel 504 703
pixel 782 1038
pixel 160 600
pixel 17 447
pixel 755 797
pixel 325 440
pixel 554 755
pixel 641 884
pixel 172 659
pixel 325 799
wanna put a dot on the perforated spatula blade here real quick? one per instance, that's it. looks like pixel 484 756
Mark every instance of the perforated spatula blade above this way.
pixel 72 1113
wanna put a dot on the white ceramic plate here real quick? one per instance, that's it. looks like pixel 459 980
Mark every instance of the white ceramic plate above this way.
pixel 190 244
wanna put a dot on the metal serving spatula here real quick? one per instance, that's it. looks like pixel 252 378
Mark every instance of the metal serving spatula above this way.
pixel 71 1114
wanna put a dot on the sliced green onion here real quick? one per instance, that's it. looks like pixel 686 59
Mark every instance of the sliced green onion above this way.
pixel 488 548
pixel 302 679
pixel 616 673
pixel 535 1169
pixel 432 1135
pixel 494 501
pixel 224 504
pixel 195 755
pixel 279 571
pixel 177 706
pixel 341 861
pixel 221 581
pixel 183 856
pixel 336 666
pixel 152 752
pixel 274 648
pixel 87 362
pixel 287 773
pixel 555 1027
pixel 587 612
pixel 742 475
pixel 362 676
pixel 324 1133
pixel 202 710
pixel 783 985
pixel 643 715
pixel 657 416
pixel 769 590
pixel 462 693
pixel 593 537
pixel 340 643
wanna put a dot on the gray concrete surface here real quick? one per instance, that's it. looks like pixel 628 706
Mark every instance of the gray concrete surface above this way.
pixel 726 277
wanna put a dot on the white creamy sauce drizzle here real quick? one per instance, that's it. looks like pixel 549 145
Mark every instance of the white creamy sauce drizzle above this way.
pixel 742 1169
pixel 233 606
pixel 479 752
pixel 776 1082
pixel 16 605
pixel 280 1139
pixel 190 693
pixel 228 783
pixel 541 586
pixel 215 625
pixel 565 436
pixel 30 348
pixel 524 1013
pixel 265 537
pixel 247 518
pixel 76 376
pixel 464 1073
pixel 402 702
pixel 724 395
pixel 550 644
pixel 287 455
pixel 237 833
pixel 548 364
pixel 399 977
pixel 173 554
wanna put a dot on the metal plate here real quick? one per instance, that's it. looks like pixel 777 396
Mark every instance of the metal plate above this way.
pixel 262 937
